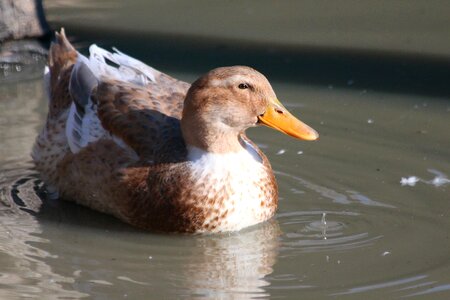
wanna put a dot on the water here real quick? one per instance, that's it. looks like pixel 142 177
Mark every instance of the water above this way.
pixel 346 226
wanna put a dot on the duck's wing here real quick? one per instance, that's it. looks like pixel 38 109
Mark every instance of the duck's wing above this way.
pixel 127 101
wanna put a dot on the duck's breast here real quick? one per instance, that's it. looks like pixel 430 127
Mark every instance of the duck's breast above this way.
pixel 235 190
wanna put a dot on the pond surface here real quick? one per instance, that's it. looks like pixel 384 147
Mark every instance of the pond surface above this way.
pixel 364 212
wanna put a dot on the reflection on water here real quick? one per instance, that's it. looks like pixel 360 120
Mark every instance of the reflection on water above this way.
pixel 24 272
pixel 236 264
pixel 337 197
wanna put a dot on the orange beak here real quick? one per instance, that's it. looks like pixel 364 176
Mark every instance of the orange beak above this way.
pixel 279 118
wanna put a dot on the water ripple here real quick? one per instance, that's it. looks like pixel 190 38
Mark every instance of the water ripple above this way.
pixel 318 231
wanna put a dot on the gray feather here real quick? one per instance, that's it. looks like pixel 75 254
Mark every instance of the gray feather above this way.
pixel 82 82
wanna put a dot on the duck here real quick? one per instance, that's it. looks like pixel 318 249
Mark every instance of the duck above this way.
pixel 160 154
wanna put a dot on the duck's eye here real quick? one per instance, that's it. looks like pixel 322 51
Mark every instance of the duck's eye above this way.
pixel 243 86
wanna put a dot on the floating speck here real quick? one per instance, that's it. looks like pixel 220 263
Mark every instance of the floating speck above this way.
pixel 385 253
pixel 330 87
pixel 350 82
pixel 438 181
pixel 370 121
pixel 296 191
pixel 410 181
pixel 299 152
pixel 363 92
pixel 281 151
pixel 150 257
pixel 323 222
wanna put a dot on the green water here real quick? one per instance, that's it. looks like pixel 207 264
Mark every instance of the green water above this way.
pixel 346 227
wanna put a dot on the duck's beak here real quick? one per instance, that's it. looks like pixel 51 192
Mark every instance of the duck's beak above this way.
pixel 279 118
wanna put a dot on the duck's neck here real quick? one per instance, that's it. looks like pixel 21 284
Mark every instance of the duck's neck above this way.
pixel 245 150
pixel 214 140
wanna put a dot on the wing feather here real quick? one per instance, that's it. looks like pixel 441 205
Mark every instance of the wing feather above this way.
pixel 129 102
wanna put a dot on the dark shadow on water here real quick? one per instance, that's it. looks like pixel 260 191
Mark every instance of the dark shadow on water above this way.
pixel 339 68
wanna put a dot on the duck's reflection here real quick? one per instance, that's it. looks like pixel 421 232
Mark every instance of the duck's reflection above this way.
pixel 63 249
pixel 234 266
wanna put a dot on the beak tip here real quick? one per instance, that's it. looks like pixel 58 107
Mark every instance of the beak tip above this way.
pixel 314 137
pixel 311 135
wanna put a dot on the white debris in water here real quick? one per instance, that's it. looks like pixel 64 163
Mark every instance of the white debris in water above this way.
pixel 330 87
pixel 324 225
pixel 438 180
pixel 281 151
pixel 296 191
pixel 350 82
pixel 386 253
pixel 150 257
pixel 299 152
pixel 370 121
pixel 410 181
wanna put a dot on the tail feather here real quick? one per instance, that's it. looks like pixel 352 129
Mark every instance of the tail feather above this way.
pixel 62 57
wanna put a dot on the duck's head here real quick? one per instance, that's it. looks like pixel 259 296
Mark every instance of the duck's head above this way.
pixel 226 101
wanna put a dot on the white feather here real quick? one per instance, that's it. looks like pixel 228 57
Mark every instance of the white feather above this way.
pixel 242 172
pixel 129 69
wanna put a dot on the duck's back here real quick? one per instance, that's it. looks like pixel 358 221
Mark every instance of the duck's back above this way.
pixel 106 112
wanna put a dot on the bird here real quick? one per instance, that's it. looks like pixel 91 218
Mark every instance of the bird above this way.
pixel 158 153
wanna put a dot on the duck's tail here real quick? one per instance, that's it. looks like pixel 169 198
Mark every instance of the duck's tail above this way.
pixel 62 58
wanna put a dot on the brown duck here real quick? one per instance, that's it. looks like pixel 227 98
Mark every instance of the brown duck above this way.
pixel 156 152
